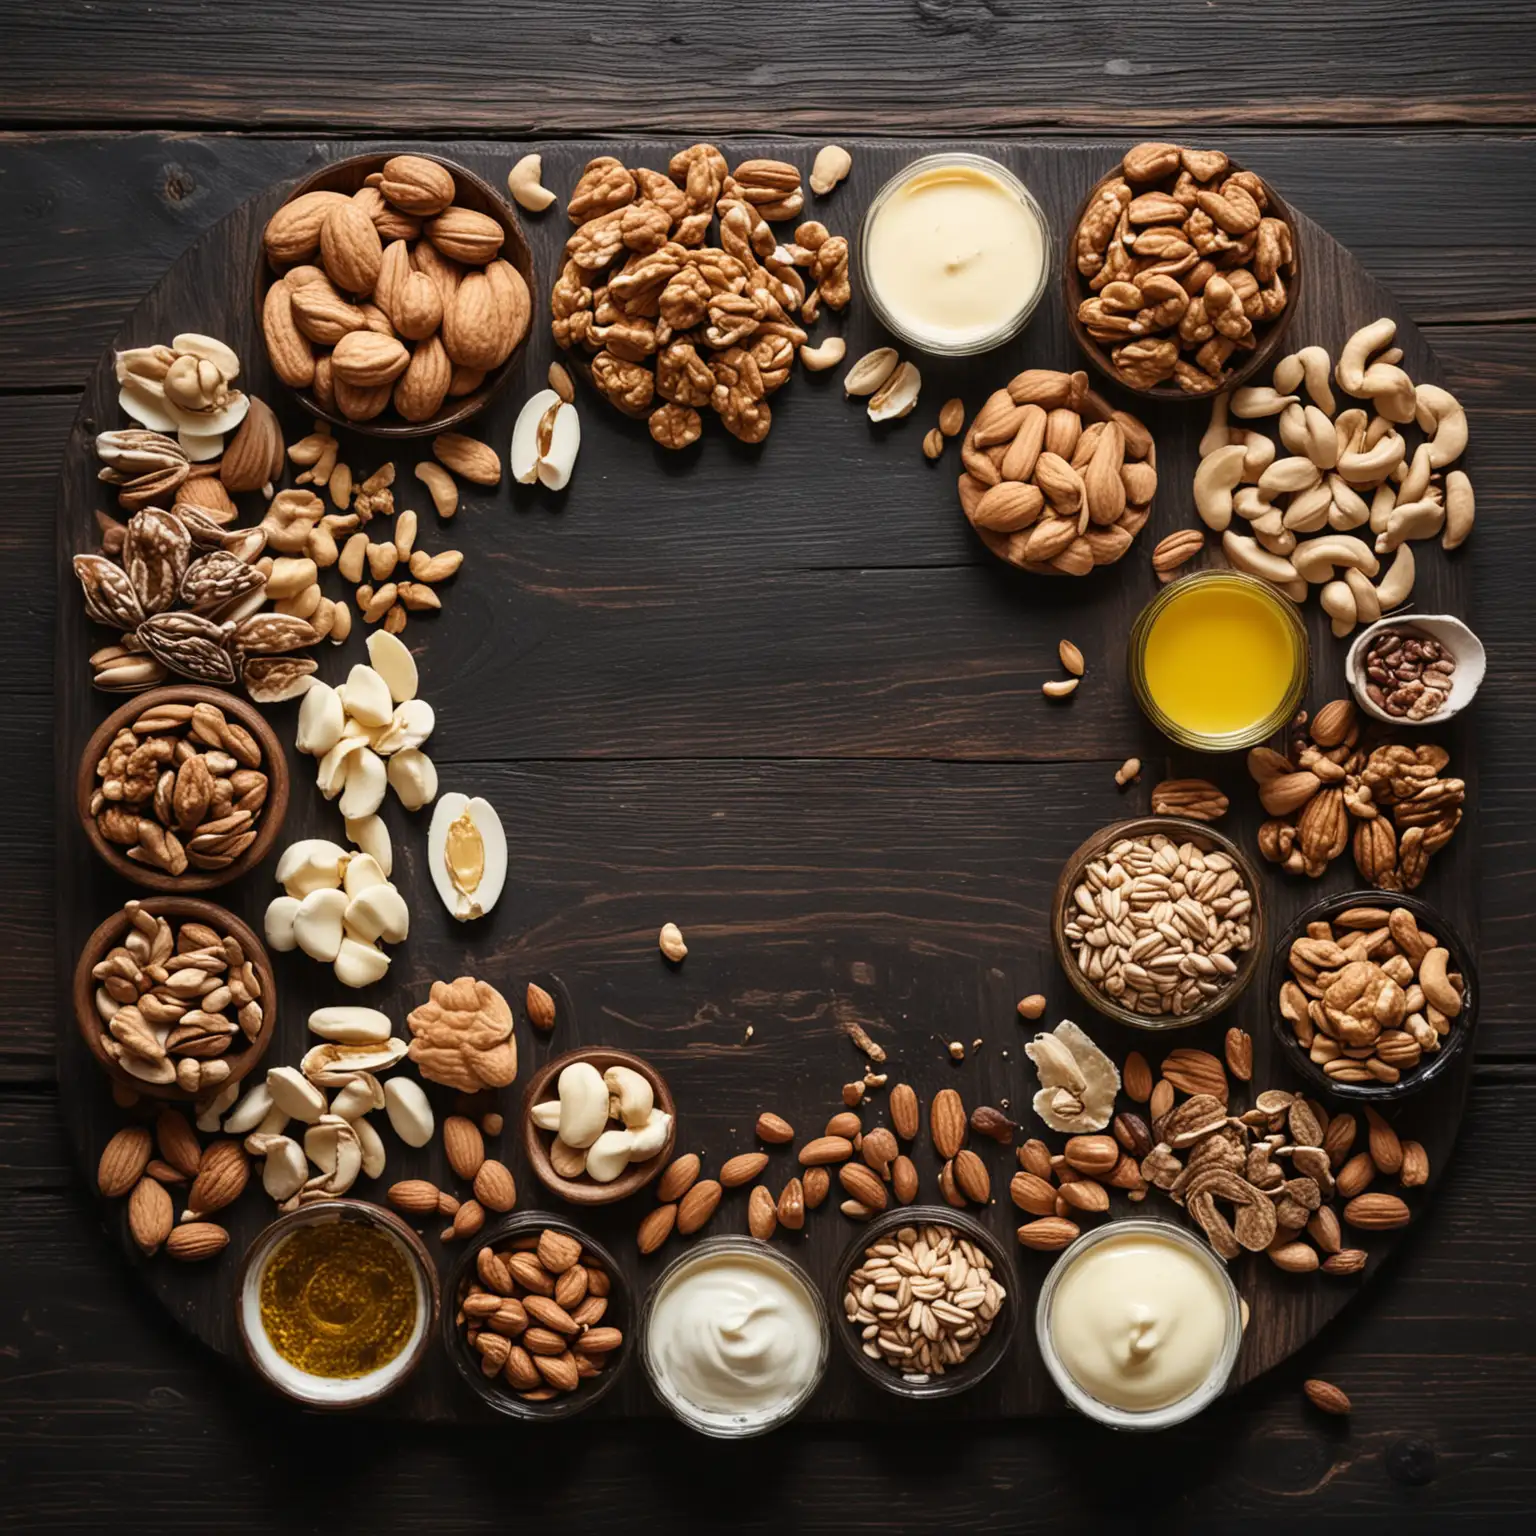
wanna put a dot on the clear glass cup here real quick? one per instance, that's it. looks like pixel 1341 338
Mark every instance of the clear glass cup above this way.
pixel 727 1425
pixel 1005 330
pixel 1145 1418
pixel 1250 735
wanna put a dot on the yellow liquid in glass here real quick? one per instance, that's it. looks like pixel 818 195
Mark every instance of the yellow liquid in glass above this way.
pixel 1219 659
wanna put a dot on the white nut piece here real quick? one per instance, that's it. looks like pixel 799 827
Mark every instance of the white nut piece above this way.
pixel 317 924
pixel 1288 475
pixel 1369 464
pixel 371 835
pixel 1312 365
pixel 1396 586
pixel 277 926
pixel 526 187
pixel 1258 452
pixel 1260 400
pixel 409 1111
pixel 1357 351
pixel 1217 434
pixel 380 912
pixel 648 1139
pixel 211 1111
pixel 391 658
pixel 250 1111
pixel 359 965
pixel 333 1064
pixel 331 775
pixel 1247 555
pixel 362 871
pixel 1315 560
pixel 350 1024
pixel 410 726
pixel 1410 520
pixel 285 1169
pixel 1307 511
pixel 871 371
pixel 1349 508
pixel 367 778
pixel 1367 603
pixel 1337 600
pixel 1460 509
pixel 413 777
pixel 828 354
pixel 1440 414
pixel 310 865
pixel 371 1145
pixel 831 165
pixel 294 1095
pixel 608 1156
pixel 361 1094
pixel 366 696
pixel 897 396
pixel 274 1123
pixel 333 1147
pixel 467 855
pixel 670 942
pixel 546 1115
pixel 545 441
pixel 1216 478
pixel 583 1104
pixel 321 720
pixel 633 1097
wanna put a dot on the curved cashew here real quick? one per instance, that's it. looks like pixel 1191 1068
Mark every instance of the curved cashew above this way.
pixel 1410 520
pixel 1391 389
pixel 1258 452
pixel 1395 587
pixel 1248 556
pixel 1274 535
pixel 1308 511
pixel 1367 603
pixel 1371 464
pixel 1215 479
pixel 1215 435
pixel 828 355
pixel 1350 508
pixel 1441 414
pixel 1412 486
pixel 1460 509
pixel 1382 504
pixel 1260 400
pixel 1249 503
pixel 524 184
pixel 1349 430
pixel 1314 560
pixel 1438 991
pixel 1313 365
pixel 1350 372
pixel 1337 600
pixel 1289 475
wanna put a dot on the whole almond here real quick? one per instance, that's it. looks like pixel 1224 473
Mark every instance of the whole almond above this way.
pixel 878 1148
pixel 1161 1099
pixel 1049 1234
pixel 416 1196
pixel 559 1371
pixel 520 1370
pixel 464 1145
pixel 571 1288
pixel 904 1180
pixel 177 1142
pixel 1035 1158
pixel 495 1188
pixel 817 1185
pixel 947 1186
pixel 825 1149
pixel 1323 1229
pixel 493 1272
pixel 762 1213
pixel 742 1168
pixel 1239 1053
pixel 1376 1212
pixel 863 1184
pixel 1031 1007
pixel 1092 1154
pixel 1192 1071
pixel 678 1177
pixel 1339 1138
pixel 1386 1149
pixel 972 1178
pixel 1347 1261
pixel 904 1111
pixel 548 1313
pixel 468 1219
pixel 540 1007
pixel 557 1251
pixel 196 1240
pixel 1355 1175
pixel 1085 1195
pixel 1326 1396
pixel 221 1179
pixel 657 1228
pixel 946 1122
pixel 774 1129
pixel 698 1205
pixel 467 457
pixel 599 1341
pixel 531 1275
pixel 1294 1258
pixel 123 1161
pixel 792 1205
pixel 156 1168
pixel 844 1123
pixel 1415 1165
pixel 1031 1193
pixel 151 1215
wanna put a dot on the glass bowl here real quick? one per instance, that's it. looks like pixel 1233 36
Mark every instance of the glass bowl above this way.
pixel 1207 839
pixel 992 1350
pixel 1431 1068
pixel 926 342
pixel 724 1425
pixel 495 1391
pixel 1144 1418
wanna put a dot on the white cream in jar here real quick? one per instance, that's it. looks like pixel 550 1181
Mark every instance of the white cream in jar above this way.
pixel 734 1340
pixel 1139 1321
pixel 954 254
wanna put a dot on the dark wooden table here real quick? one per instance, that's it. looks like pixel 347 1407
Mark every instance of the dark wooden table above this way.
pixel 1403 129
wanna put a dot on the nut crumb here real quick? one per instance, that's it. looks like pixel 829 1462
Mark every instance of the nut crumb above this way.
pixel 957 1050
pixel 1033 1006
pixel 866 1043
pixel 1129 772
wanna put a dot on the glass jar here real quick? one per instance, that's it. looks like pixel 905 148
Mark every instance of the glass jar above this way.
pixel 935 341
pixel 1290 661
pixel 724 1424
pixel 1143 1418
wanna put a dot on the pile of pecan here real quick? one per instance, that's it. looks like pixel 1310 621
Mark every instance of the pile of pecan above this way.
pixel 673 325
pixel 1392 803
pixel 1185 265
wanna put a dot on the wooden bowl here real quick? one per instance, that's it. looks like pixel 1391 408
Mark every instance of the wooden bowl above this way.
pixel 536 1143
pixel 174 908
pixel 469 192
pixel 272 813
pixel 1270 333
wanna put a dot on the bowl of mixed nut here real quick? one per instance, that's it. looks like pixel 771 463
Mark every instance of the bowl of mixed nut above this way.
pixel 182 789
pixel 1374 995
pixel 1158 922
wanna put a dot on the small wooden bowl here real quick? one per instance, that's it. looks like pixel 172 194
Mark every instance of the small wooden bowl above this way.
pixel 275 765
pixel 174 908
pixel 536 1143
pixel 1075 289
pixel 469 192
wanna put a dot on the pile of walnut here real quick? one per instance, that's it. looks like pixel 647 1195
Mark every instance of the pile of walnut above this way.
pixel 1330 783
pixel 1055 480
pixel 673 325
pixel 1342 470
pixel 1182 257
pixel 1371 994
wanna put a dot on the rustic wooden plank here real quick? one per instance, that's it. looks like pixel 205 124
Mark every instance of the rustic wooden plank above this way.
pixel 955 65
pixel 97 220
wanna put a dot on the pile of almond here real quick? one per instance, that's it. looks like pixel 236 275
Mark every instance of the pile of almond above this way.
pixel 396 295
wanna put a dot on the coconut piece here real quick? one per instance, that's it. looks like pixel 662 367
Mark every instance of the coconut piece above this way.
pixel 371 835
pixel 311 864
pixel 358 964
pixel 1078 1082
pixel 379 912
pixel 278 924
pixel 467 855
pixel 366 697
pixel 392 660
pixel 317 924
pixel 321 720
pixel 409 1111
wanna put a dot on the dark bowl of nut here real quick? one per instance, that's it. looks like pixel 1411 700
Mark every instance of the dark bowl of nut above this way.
pixel 175 997
pixel 395 293
pixel 183 788
pixel 1182 272
pixel 536 1317
pixel 1374 995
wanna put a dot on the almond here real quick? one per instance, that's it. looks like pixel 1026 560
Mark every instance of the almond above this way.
pixel 196 1240
pixel 293 232
pixel 559 1371
pixel 825 1149
pixel 151 1215
pixel 678 1177
pixel 472 330
pixel 544 1341
pixel 1161 1099
pixel 368 361
pixel 531 1275
pixel 416 1196
pixel 972 1178
pixel 656 1228
pixel 468 458
pixel 422 388
pixel 468 1219
pixel 1376 1212
pixel 698 1205
pixel 904 1111
pixel 415 305
pixel 1294 1258
pixel 1355 1175
pixel 743 1168
pixel 1386 1149
pixel 1049 1234
pixel 520 1370
pixel 774 1129
pixel 571 1288
pixel 1092 1154
pixel 163 1171
pixel 863 1184
pixel 947 1186
pixel 817 1184
pixel 514 307
pixel 592 1310
pixel 1239 1052
pixel 1192 1071
pixel 844 1123
pixel 1339 1138
pixel 946 1122
pixel 323 315
pixel 123 1161
pixel 1035 1158
pixel 1323 1229
pixel 762 1213
pixel 548 1313
pixel 1326 1396
pixel 1031 1193
pixel 462 234
pixel 464 1145
pixel 253 457
pixel 792 1205
pixel 350 248
pixel 221 1179
pixel 416 184
pixel 878 1149
pixel 903 1180
pixel 1085 1195
pixel 1348 1261
pixel 178 1142
pixel 1415 1165
pixel 495 1188
pixel 540 1006
pixel 493 1272
pixel 599 1341
pixel 558 1251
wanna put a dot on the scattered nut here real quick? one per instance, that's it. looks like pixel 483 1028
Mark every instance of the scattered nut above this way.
pixel 671 943
pixel 523 182
pixel 832 164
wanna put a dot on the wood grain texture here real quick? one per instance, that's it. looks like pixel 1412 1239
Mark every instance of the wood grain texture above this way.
pixel 976 66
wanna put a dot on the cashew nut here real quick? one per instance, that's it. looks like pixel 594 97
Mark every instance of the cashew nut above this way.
pixel 1215 479
pixel 1272 533
pixel 1288 475
pixel 1313 365
pixel 1391 389
pixel 1337 600
pixel 1258 453
pixel 1314 560
pixel 1410 520
pixel 1460 509
pixel 609 1155
pixel 1438 991
pixel 1395 587
pixel 1249 502
pixel 832 163
pixel 583 1104
pixel 648 1139
pixel 828 355
pixel 1307 512
pixel 1441 414
pixel 1216 434
pixel 1415 480
pixel 1350 372
pixel 1349 510
pixel 1373 463
pixel 525 186
pixel 1381 506
pixel 1247 556
pixel 1367 603
pixel 1260 400
pixel 632 1095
